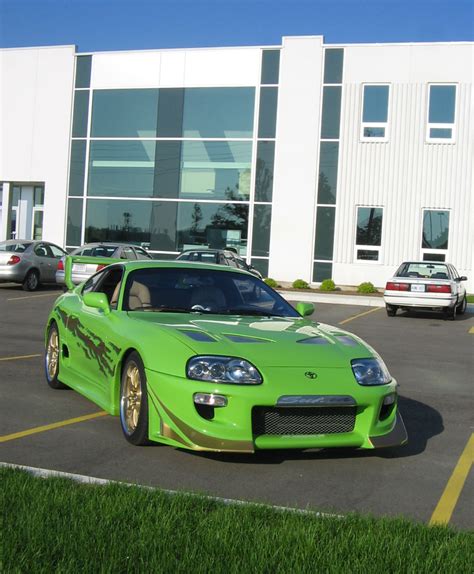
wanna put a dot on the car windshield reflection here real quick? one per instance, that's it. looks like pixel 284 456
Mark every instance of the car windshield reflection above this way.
pixel 184 290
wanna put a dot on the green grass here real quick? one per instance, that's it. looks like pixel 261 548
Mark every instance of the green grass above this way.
pixel 56 525
pixel 470 298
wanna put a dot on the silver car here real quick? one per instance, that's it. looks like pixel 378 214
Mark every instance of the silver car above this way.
pixel 29 262
pixel 116 251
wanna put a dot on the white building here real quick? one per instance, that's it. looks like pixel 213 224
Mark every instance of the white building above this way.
pixel 313 160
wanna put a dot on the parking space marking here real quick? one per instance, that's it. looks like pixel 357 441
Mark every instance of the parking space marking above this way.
pixel 55 293
pixel 19 357
pixel 447 503
pixel 52 426
pixel 359 315
pixel 471 330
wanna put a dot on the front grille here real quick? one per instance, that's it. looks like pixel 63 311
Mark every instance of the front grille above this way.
pixel 302 420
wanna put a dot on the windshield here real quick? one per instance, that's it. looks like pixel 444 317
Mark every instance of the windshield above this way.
pixel 15 247
pixel 423 270
pixel 181 290
pixel 97 251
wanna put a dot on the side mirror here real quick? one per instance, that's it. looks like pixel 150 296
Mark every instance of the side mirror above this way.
pixel 305 309
pixel 463 278
pixel 97 301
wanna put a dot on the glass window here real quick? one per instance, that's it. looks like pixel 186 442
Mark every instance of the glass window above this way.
pixel 77 168
pixel 39 196
pixel 331 112
pixel 369 226
pixel 81 113
pixel 37 224
pixel 167 169
pixel 324 233
pixel 74 222
pixel 434 256
pixel 270 66
pixel 328 162
pixel 261 230
pixel 268 112
pixel 56 251
pixel 333 62
pixel 265 165
pixel 218 112
pixel 121 168
pixel 441 112
pixel 16 194
pixel 435 229
pixel 83 71
pixel 322 271
pixel 368 233
pixel 168 226
pixel 170 113
pixel 124 113
pixel 261 265
pixel 216 170
pixel 375 112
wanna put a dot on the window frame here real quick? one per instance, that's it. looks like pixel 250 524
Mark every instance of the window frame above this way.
pixel 429 250
pixel 385 125
pixel 375 248
pixel 436 125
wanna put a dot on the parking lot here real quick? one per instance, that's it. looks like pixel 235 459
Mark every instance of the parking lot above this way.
pixel 432 359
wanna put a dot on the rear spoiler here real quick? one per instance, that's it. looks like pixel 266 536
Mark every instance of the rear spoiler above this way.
pixel 70 259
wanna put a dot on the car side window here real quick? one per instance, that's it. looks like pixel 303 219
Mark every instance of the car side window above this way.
pixel 454 273
pixel 110 285
pixel 41 250
pixel 92 282
pixel 142 253
pixel 57 251
pixel 127 253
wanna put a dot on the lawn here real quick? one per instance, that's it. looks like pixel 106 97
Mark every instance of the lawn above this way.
pixel 57 525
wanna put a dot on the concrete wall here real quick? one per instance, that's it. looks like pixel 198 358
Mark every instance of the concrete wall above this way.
pixel 35 110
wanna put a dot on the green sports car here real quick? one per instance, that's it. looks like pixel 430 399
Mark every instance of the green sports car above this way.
pixel 207 357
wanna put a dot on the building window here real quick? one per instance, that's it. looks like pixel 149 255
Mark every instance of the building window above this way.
pixel 435 235
pixel 270 66
pixel 375 113
pixel 368 233
pixel 441 113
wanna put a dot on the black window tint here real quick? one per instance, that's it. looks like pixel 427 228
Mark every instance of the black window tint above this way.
pixel 270 66
pixel 83 71
pixel 331 112
pixel 268 112
pixel 333 63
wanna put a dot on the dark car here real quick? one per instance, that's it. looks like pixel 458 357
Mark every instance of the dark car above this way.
pixel 220 257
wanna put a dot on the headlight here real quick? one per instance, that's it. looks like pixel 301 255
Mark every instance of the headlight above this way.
pixel 223 370
pixel 370 372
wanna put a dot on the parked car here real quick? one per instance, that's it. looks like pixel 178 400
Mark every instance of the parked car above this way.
pixel 204 357
pixel 116 251
pixel 220 257
pixel 426 285
pixel 29 262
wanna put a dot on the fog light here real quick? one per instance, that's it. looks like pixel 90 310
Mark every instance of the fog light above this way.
pixel 210 400
pixel 389 400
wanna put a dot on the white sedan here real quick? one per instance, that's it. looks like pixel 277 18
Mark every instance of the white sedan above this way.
pixel 426 285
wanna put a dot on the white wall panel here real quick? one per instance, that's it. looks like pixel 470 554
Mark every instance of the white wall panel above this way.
pixel 296 160
pixel 225 67
pixel 36 99
pixel 125 70
pixel 172 69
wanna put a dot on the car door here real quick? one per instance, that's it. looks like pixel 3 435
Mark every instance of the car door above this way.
pixel 94 333
pixel 57 253
pixel 45 261
pixel 460 289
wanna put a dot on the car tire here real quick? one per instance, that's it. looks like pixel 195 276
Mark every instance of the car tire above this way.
pixel 31 280
pixel 134 401
pixel 450 313
pixel 51 358
pixel 462 306
pixel 391 310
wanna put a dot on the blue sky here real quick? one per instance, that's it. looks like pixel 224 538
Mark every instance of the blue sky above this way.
pixel 95 25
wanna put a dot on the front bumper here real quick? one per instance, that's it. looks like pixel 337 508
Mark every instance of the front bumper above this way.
pixel 175 420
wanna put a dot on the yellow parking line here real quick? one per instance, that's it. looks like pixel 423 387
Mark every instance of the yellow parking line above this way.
pixel 19 357
pixel 471 330
pixel 52 426
pixel 55 293
pixel 447 503
pixel 359 315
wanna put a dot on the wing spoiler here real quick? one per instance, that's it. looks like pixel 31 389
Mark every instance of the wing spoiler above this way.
pixel 70 259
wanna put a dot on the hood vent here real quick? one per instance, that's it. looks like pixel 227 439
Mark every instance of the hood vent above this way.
pixel 242 339
pixel 314 341
pixel 200 336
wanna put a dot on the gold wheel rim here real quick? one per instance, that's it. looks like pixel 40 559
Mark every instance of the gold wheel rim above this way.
pixel 132 397
pixel 52 354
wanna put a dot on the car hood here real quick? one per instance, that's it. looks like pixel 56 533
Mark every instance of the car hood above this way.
pixel 272 341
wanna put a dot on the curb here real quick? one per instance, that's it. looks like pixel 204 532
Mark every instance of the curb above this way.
pixel 364 300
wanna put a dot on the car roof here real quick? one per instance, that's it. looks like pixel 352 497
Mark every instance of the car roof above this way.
pixel 425 262
pixel 209 251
